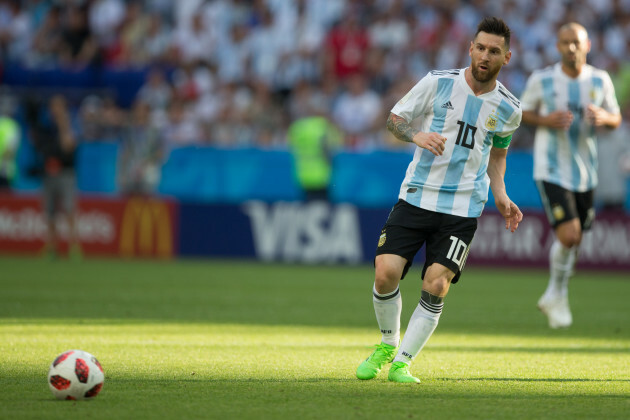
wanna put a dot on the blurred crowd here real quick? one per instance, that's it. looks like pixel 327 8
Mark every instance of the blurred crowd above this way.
pixel 237 73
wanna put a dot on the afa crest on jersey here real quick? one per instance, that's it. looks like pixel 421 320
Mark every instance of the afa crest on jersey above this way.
pixel 597 96
pixel 491 122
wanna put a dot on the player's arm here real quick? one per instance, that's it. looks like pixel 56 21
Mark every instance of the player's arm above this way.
pixel 605 113
pixel 557 120
pixel 496 172
pixel 401 129
pixel 599 117
pixel 66 134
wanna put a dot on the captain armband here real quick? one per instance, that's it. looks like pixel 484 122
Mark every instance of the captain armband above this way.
pixel 501 142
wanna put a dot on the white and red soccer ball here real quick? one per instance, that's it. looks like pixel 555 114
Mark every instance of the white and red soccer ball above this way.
pixel 75 375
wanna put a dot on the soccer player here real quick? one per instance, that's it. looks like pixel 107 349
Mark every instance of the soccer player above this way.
pixel 567 102
pixel 467 118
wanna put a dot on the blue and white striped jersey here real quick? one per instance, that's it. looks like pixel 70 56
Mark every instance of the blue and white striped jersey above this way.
pixel 457 182
pixel 568 157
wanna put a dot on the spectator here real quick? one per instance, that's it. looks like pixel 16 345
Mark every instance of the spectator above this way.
pixel 15 31
pixel 268 49
pixel 47 40
pixel 377 71
pixel 157 92
pixel 193 43
pixel 301 59
pixel 356 113
pixel 389 30
pixel 100 119
pixel 181 129
pixel 304 99
pixel 232 58
pixel 345 48
pixel 231 129
pixel 192 80
pixel 154 47
pixel 265 117
pixel 127 49
pixel 105 18
pixel 78 49
pixel 141 153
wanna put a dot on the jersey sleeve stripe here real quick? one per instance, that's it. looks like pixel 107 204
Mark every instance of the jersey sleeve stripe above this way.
pixel 509 96
pixel 454 72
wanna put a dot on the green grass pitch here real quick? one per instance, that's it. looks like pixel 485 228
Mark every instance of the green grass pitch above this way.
pixel 235 339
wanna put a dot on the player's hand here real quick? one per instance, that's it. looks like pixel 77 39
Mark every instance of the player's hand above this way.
pixel 510 212
pixel 560 120
pixel 433 142
pixel 596 115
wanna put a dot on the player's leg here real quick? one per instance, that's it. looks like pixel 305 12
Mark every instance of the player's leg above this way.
pixel 554 302
pixel 423 321
pixel 69 204
pixel 49 207
pixel 387 302
pixel 562 211
pixel 386 297
pixel 397 246
pixel 447 251
pixel 563 255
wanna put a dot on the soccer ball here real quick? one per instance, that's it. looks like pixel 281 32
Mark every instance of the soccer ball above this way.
pixel 75 375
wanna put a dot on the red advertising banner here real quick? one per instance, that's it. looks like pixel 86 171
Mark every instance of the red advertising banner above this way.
pixel 606 246
pixel 128 227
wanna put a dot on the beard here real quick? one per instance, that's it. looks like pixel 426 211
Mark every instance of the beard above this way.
pixel 572 63
pixel 486 76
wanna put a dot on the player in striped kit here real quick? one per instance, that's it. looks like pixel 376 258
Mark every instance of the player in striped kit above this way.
pixel 467 120
pixel 568 102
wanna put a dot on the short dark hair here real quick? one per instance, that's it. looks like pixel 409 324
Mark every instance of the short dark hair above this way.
pixel 496 26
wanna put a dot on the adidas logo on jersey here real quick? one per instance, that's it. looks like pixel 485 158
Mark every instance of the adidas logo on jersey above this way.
pixel 448 105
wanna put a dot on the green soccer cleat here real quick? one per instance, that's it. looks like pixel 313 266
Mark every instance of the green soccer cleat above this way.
pixel 399 372
pixel 371 366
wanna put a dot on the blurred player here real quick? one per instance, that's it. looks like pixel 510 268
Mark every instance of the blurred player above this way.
pixel 567 102
pixel 55 141
pixel 468 118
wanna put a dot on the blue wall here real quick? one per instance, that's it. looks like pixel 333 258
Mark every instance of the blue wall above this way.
pixel 229 176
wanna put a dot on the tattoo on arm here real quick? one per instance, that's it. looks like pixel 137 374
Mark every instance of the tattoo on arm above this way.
pixel 401 128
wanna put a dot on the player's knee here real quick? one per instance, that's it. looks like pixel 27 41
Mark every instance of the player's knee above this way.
pixel 569 233
pixel 437 285
pixel 570 239
pixel 386 277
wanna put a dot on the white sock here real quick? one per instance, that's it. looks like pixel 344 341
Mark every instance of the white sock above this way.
pixel 423 322
pixel 387 308
pixel 561 263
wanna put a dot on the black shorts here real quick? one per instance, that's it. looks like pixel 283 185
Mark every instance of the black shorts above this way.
pixel 562 205
pixel 59 193
pixel 447 237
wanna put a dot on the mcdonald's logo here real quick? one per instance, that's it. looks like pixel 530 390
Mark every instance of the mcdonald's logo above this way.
pixel 146 229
